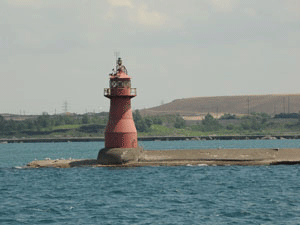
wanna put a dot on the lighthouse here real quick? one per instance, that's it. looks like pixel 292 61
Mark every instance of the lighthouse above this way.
pixel 120 135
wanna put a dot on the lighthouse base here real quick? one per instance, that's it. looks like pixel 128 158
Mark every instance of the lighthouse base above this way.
pixel 110 156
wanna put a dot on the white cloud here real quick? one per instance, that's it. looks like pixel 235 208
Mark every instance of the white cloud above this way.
pixel 42 4
pixel 120 3
pixel 294 6
pixel 223 5
pixel 152 18
pixel 22 3
pixel 134 13
pixel 250 12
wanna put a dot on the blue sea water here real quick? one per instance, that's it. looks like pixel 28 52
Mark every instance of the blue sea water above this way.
pixel 146 195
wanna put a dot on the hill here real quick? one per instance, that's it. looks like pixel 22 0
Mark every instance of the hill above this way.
pixel 270 104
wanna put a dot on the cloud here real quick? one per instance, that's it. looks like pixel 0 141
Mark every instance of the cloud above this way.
pixel 250 12
pixel 55 42
pixel 26 3
pixel 223 5
pixel 134 13
pixel 149 18
pixel 293 6
pixel 120 3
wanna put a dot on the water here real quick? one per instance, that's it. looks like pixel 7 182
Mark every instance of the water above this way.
pixel 146 195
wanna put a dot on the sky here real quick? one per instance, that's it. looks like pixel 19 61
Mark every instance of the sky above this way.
pixel 57 51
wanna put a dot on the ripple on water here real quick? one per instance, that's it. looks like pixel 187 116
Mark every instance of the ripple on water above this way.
pixel 150 195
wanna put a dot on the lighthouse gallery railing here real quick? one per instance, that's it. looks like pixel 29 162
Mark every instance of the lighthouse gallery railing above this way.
pixel 107 91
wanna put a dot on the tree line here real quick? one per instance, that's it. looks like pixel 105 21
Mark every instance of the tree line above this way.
pixel 252 122
pixel 45 122
pixel 96 123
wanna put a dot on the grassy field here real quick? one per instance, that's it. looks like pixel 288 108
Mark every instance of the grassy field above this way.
pixel 160 130
pixel 270 104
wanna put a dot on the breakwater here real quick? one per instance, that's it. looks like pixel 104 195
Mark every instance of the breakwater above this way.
pixel 152 138
pixel 183 157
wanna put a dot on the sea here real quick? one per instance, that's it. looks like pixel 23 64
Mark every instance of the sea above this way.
pixel 146 195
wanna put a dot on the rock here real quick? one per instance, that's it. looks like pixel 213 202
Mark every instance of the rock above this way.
pixel 108 156
pixel 269 138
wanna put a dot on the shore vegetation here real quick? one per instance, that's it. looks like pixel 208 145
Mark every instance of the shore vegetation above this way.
pixel 93 125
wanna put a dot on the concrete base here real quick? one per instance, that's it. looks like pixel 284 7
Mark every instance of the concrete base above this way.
pixel 110 156
pixel 127 157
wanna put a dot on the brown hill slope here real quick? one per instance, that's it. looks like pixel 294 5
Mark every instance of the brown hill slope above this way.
pixel 271 104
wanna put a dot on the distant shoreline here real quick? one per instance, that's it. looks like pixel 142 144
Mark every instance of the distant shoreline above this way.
pixel 152 138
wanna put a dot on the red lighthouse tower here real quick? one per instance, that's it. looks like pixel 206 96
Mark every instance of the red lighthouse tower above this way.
pixel 120 135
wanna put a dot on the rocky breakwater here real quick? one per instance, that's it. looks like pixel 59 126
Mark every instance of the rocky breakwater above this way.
pixel 217 157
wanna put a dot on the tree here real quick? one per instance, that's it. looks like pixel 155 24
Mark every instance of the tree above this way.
pixel 68 119
pixel 29 124
pixel 137 116
pixel 148 121
pixel 230 126
pixel 21 125
pixel 179 122
pixel 44 120
pixel 59 120
pixel 287 115
pixel 255 121
pixel 157 120
pixel 210 123
pixel 10 125
pixel 141 126
pixel 85 119
pixel 140 123
pixel 228 116
pixel 2 121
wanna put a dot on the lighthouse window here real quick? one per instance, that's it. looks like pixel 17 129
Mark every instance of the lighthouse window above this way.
pixel 129 84
pixel 113 83
pixel 120 84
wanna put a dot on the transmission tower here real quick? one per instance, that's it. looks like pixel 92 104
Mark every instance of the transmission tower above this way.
pixel 65 107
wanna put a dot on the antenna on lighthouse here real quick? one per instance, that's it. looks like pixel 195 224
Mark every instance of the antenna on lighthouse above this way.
pixel 117 54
